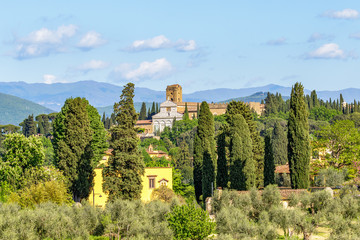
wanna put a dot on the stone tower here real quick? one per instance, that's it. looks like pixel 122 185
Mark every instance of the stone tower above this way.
pixel 174 93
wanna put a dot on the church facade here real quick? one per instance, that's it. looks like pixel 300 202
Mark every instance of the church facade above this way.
pixel 168 113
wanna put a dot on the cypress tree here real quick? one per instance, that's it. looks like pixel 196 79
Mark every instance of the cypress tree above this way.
pixel 222 174
pixel 198 162
pixel 72 136
pixel 186 113
pixel 204 155
pixel 157 108
pixel 279 144
pixel 242 165
pixel 149 114
pixel 237 107
pixel 40 126
pixel 29 126
pixel 269 165
pixel 298 139
pixel 153 109
pixel 314 99
pixel 103 118
pixel 122 176
pixel 142 115
pixel 197 111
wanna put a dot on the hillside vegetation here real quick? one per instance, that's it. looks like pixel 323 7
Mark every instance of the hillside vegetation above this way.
pixel 14 110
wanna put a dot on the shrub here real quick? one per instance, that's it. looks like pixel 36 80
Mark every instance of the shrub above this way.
pixel 190 222
pixel 51 191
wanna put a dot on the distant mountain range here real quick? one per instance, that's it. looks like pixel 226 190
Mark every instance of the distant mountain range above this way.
pixel 256 97
pixel 102 94
pixel 13 110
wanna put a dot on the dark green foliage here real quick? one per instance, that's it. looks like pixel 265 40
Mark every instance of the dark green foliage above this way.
pixel 153 110
pixel 72 145
pixel 186 113
pixel 142 115
pixel 29 126
pixel 205 159
pixel 98 142
pixel 122 176
pixel 157 109
pixel 44 126
pixel 323 114
pixel 222 174
pixel 269 164
pixel 298 139
pixel 242 165
pixel 279 144
pixel 241 108
pixel 190 222
pixel 197 110
pixel 198 162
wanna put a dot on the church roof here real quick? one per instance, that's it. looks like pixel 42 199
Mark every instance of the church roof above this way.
pixel 168 103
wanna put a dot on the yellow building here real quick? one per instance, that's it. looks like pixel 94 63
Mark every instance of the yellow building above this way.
pixel 153 178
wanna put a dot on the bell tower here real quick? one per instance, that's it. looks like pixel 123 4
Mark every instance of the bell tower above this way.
pixel 174 93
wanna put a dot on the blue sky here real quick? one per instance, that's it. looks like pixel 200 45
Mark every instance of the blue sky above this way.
pixel 198 44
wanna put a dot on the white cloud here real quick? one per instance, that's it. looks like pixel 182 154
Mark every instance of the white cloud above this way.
pixel 344 14
pixel 185 46
pixel 162 42
pixel 91 40
pixel 277 42
pixel 153 43
pixel 158 69
pixel 43 42
pixel 330 51
pixel 49 79
pixel 92 65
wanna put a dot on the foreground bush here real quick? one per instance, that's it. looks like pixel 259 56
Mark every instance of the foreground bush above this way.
pixel 51 191
pixel 47 221
pixel 190 222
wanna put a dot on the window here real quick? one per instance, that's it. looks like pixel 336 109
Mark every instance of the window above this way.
pixel 151 183
pixel 168 109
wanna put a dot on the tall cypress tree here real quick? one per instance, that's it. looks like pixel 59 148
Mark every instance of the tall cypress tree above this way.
pixel 222 174
pixel 72 136
pixel 279 144
pixel 157 108
pixel 205 159
pixel 186 113
pixel 149 114
pixel 197 111
pixel 153 110
pixel 242 165
pixel 237 107
pixel 103 118
pixel 298 139
pixel 269 165
pixel 314 99
pixel 122 176
pixel 142 115
pixel 198 162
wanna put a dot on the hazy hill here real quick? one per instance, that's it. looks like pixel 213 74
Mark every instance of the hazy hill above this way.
pixel 102 94
pixel 256 97
pixel 110 109
pixel 54 95
pixel 13 110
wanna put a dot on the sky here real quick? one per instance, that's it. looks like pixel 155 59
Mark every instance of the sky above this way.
pixel 198 44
